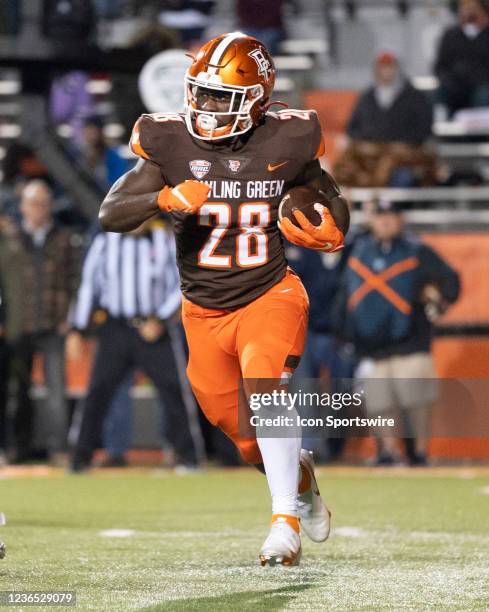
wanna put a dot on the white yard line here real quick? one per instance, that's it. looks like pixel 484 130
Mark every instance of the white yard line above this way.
pixel 117 533
pixel 342 532
pixel 351 532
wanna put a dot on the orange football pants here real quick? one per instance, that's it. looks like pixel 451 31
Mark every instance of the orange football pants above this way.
pixel 260 340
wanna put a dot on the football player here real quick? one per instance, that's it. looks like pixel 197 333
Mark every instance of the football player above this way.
pixel 221 169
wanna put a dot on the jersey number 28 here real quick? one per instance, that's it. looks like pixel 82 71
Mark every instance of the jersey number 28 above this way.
pixel 251 243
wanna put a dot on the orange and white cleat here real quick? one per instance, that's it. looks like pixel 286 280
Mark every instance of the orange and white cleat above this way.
pixel 315 516
pixel 283 544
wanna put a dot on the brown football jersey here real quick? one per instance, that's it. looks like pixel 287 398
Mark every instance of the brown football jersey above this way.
pixel 231 252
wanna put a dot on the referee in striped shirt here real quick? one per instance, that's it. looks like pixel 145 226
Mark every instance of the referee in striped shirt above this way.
pixel 133 277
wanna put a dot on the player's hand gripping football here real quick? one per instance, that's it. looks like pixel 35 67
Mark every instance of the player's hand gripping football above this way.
pixel 323 237
pixel 186 197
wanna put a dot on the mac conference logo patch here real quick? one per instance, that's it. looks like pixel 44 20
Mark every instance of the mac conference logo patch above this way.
pixel 200 167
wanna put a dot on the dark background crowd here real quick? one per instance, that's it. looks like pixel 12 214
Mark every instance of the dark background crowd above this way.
pixel 69 94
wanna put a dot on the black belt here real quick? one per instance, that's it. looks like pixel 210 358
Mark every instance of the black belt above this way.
pixel 134 322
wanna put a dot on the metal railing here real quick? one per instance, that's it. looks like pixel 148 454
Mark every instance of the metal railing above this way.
pixel 421 194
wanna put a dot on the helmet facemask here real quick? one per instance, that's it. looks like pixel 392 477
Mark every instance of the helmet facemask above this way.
pixel 241 107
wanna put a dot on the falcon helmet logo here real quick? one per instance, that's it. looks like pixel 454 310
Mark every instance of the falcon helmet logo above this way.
pixel 264 65
pixel 199 167
pixel 234 165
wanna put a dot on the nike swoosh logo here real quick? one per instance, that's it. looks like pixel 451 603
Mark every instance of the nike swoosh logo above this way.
pixel 272 167
pixel 285 290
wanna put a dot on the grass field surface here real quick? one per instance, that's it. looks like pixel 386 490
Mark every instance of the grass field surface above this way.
pixel 151 540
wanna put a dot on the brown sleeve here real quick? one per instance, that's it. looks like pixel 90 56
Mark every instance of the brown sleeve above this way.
pixel 135 142
pixel 153 136
pixel 317 140
pixel 148 139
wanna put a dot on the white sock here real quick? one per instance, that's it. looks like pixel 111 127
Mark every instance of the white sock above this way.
pixel 281 460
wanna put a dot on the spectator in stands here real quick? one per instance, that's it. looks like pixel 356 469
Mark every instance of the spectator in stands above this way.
pixel 392 291
pixel 323 357
pixel 134 278
pixel 189 18
pixel 70 102
pixel 105 161
pixel 19 166
pixel 10 21
pixel 38 275
pixel 264 22
pixel 111 9
pixel 68 21
pixel 4 367
pixel 108 165
pixel 148 41
pixel 462 63
pixel 388 130
pixel 21 163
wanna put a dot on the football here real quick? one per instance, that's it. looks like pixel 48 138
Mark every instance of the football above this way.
pixel 303 199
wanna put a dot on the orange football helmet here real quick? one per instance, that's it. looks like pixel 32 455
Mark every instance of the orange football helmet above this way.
pixel 237 73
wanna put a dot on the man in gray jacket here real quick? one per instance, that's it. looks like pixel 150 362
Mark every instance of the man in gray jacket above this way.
pixel 38 275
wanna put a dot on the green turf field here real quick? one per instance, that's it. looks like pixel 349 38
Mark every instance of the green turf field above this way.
pixel 402 540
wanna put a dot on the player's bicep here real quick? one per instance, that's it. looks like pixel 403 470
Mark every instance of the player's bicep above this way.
pixel 144 178
pixel 132 199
